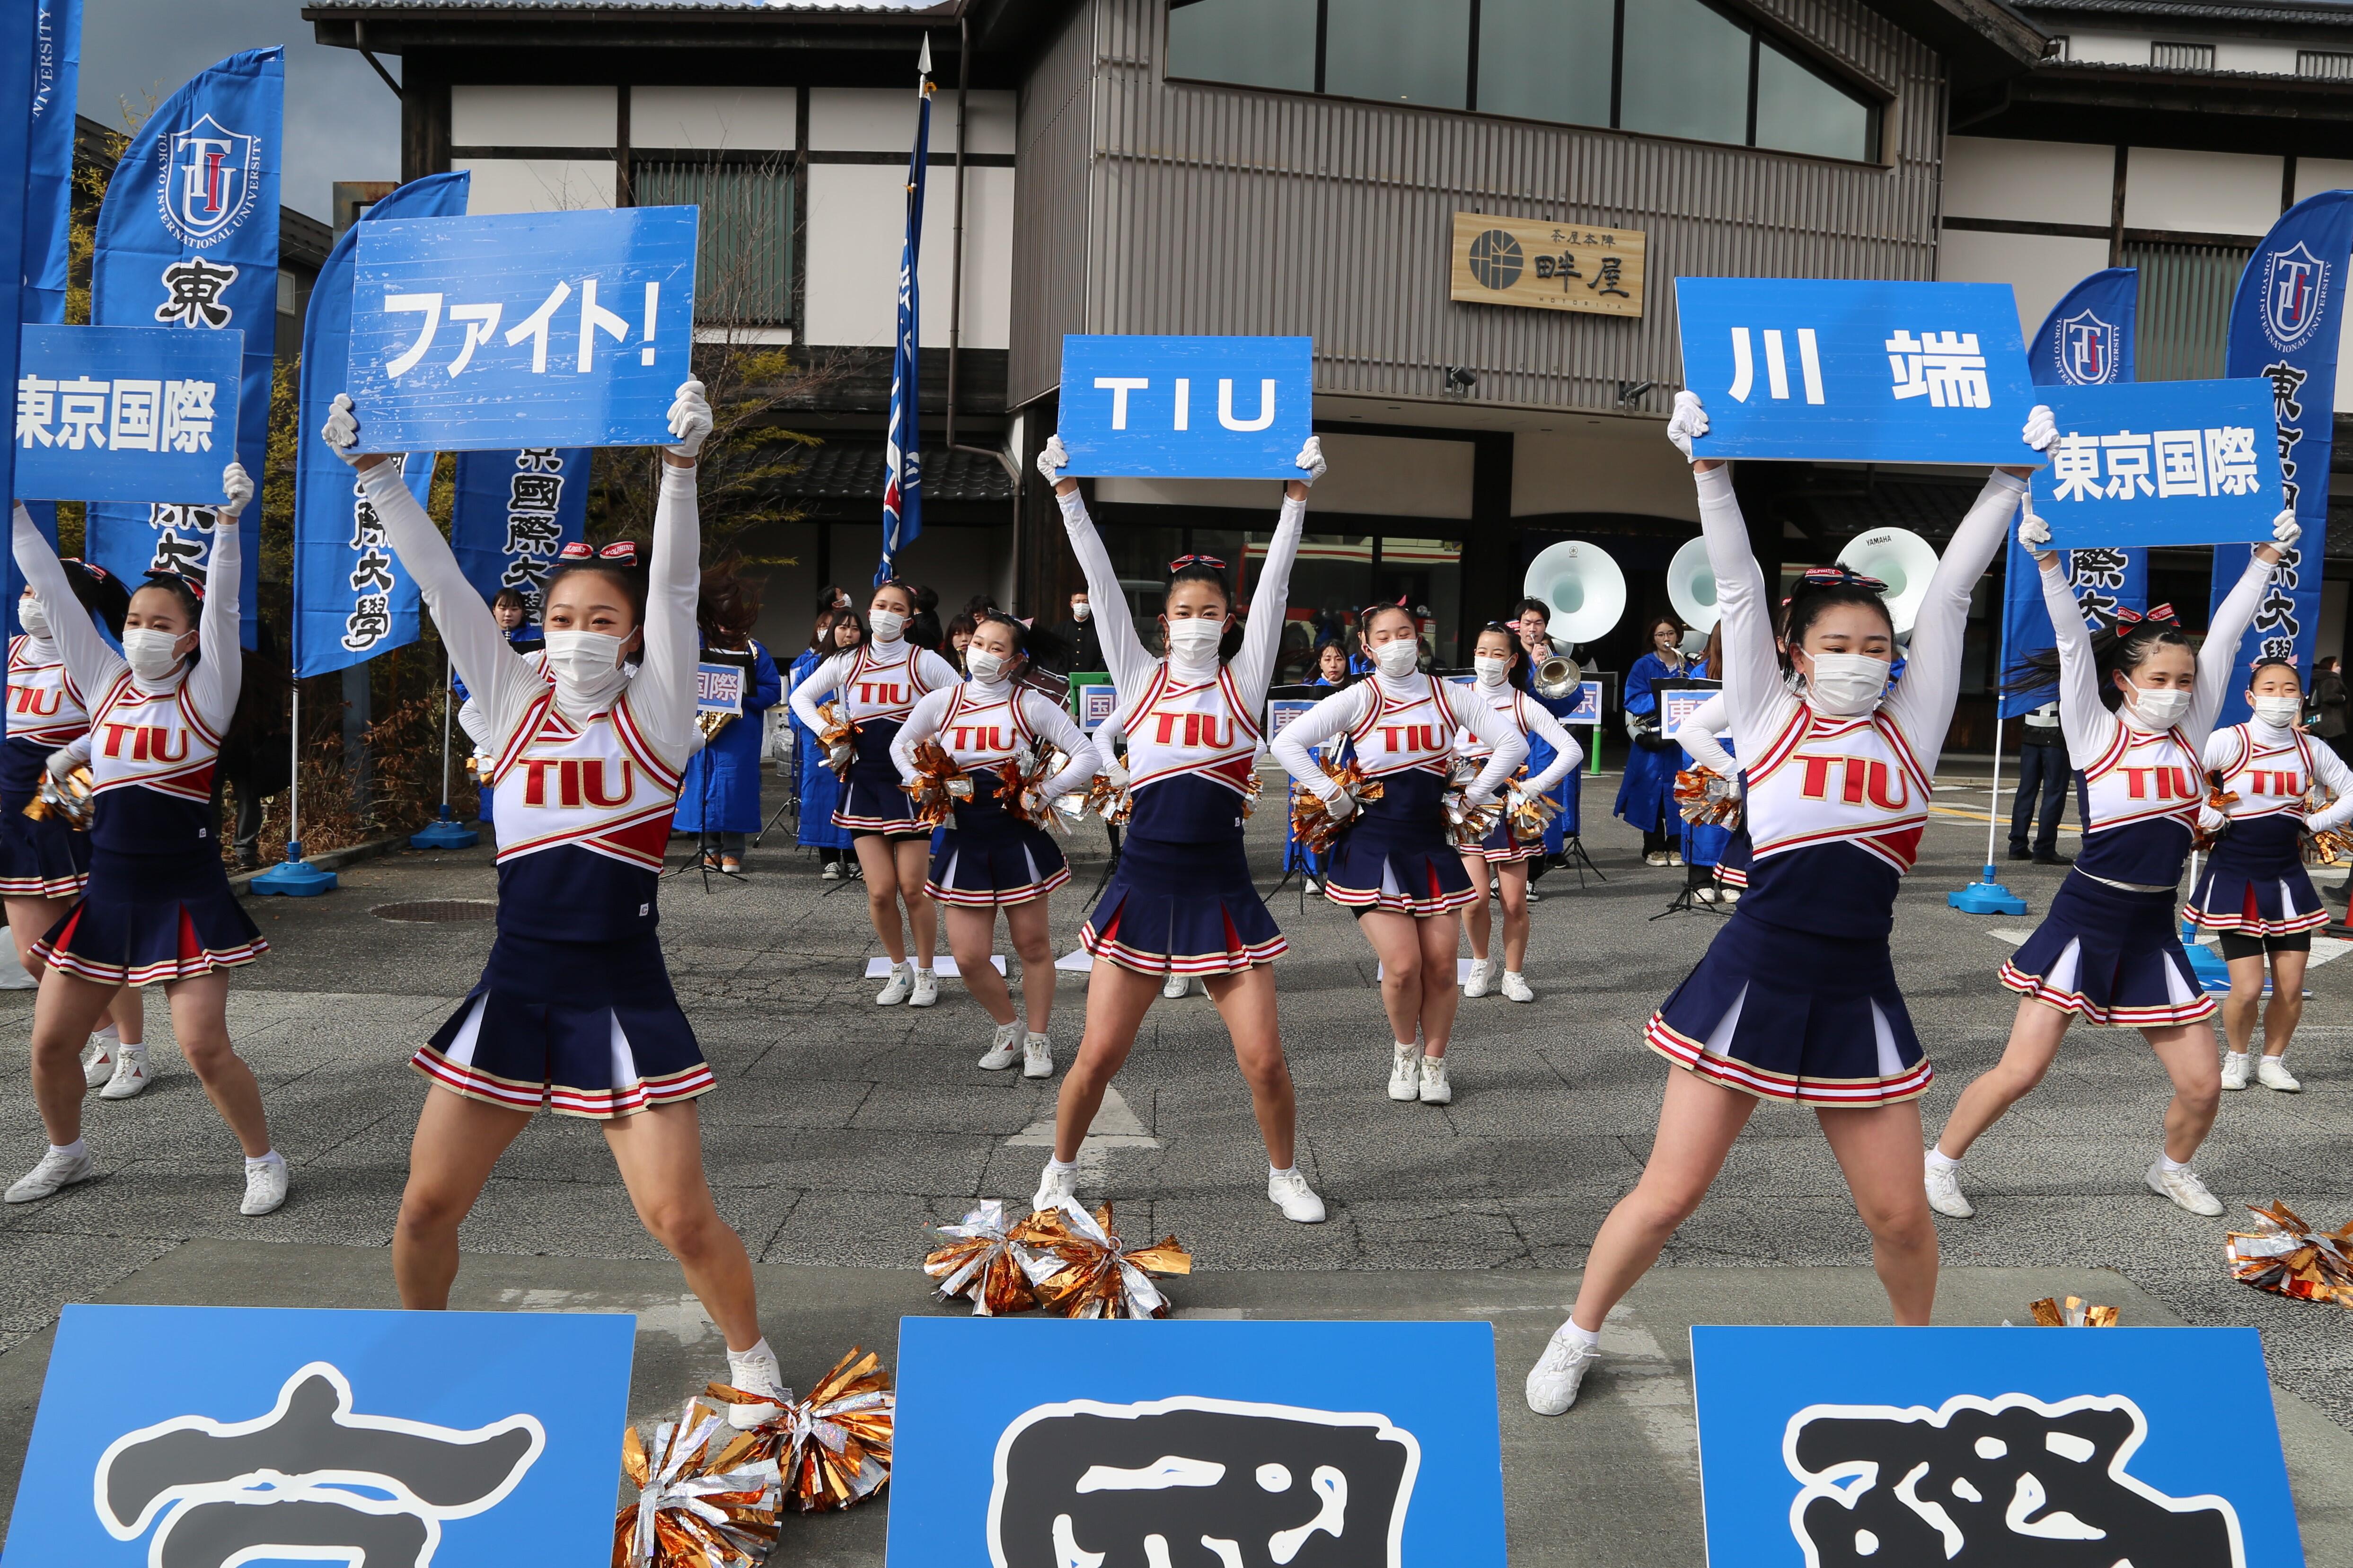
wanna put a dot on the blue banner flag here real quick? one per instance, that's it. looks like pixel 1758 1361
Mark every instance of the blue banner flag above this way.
pixel 515 512
pixel 565 328
pixel 19 30
pixel 2085 340
pixel 48 196
pixel 2163 462
pixel 902 460
pixel 1861 372
pixel 1203 409
pixel 351 598
pixel 2284 326
pixel 187 238
pixel 125 414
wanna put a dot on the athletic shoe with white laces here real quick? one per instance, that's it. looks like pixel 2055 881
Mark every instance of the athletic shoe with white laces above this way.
pixel 831 872
pixel 1655 857
pixel 1944 1192
pixel 265 1188
pixel 756 1372
pixel 2184 1188
pixel 1554 1381
pixel 1037 1057
pixel 130 1074
pixel 1001 1054
pixel 927 988
pixel 1674 857
pixel 1289 1191
pixel 903 980
pixel 2272 1073
pixel 1728 893
pixel 1405 1074
pixel 2235 1068
pixel 1053 1187
pixel 1704 893
pixel 1434 1088
pixel 1516 988
pixel 98 1060
pixel 55 1172
pixel 1481 977
pixel 1308 885
pixel 1176 985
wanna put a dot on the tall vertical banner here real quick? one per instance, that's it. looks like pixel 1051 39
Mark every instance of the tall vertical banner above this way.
pixel 2284 326
pixel 352 599
pixel 187 236
pixel 902 484
pixel 515 512
pixel 19 21
pixel 48 202
pixel 2085 340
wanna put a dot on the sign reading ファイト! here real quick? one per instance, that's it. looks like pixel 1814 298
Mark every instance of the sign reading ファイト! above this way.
pixel 1546 266
pixel 2161 462
pixel 1195 409
pixel 125 414
pixel 1856 372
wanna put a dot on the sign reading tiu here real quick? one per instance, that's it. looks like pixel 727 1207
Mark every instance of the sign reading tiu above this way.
pixel 2161 462
pixel 1201 408
pixel 125 414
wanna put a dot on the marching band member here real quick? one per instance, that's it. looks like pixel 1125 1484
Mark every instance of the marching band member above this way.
pixel 2255 894
pixel 1701 735
pixel 990 859
pixel 1331 672
pixel 719 800
pixel 2137 707
pixel 1393 866
pixel 1646 795
pixel 876 685
pixel 156 907
pixel 1497 658
pixel 1796 998
pixel 1182 901
pixel 574 1010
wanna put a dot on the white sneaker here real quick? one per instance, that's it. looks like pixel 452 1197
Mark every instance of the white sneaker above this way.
pixel 1944 1192
pixel 1175 986
pixel 2235 1070
pixel 927 988
pixel 1481 977
pixel 903 980
pixel 2184 1188
pixel 1515 987
pixel 831 873
pixel 1404 1077
pixel 1289 1191
pixel 1037 1057
pixel 1655 857
pixel 1704 893
pixel 1674 857
pixel 98 1060
pixel 756 1372
pixel 55 1172
pixel 1001 1054
pixel 2272 1073
pixel 265 1188
pixel 1728 893
pixel 1053 1187
pixel 1308 885
pixel 1554 1381
pixel 130 1074
pixel 1434 1088
pixel 1535 897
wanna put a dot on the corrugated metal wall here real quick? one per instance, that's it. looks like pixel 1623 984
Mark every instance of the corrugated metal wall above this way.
pixel 1211 209
pixel 2184 320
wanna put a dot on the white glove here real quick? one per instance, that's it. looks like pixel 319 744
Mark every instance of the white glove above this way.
pixel 1116 772
pixel 1341 805
pixel 236 485
pixel 2033 534
pixel 690 420
pixel 1053 459
pixel 342 432
pixel 2285 530
pixel 1687 424
pixel 61 763
pixel 2210 821
pixel 1311 459
pixel 2040 428
pixel 1478 799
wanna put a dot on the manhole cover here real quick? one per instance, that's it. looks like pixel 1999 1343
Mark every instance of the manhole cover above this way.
pixel 436 910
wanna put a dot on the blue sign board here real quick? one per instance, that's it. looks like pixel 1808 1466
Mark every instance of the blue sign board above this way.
pixel 566 328
pixel 1588 705
pixel 1858 372
pixel 1281 711
pixel 1204 408
pixel 2161 462
pixel 719 689
pixel 271 1434
pixel 125 414
pixel 1047 1440
pixel 1097 703
pixel 1989 1446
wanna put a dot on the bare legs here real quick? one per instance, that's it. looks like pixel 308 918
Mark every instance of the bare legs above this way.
pixel 1418 985
pixel 1117 1000
pixel 1512 887
pixel 28 920
pixel 2280 1015
pixel 68 1007
pixel 894 873
pixel 1476 923
pixel 972 932
pixel 2186 1051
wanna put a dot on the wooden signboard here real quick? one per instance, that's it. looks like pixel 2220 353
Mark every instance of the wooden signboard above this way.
pixel 1546 266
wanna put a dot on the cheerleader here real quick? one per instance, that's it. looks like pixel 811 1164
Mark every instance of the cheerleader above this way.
pixel 990 859
pixel 1701 735
pixel 1497 657
pixel 2255 895
pixel 156 907
pixel 1646 795
pixel 876 685
pixel 2136 707
pixel 1796 998
pixel 1182 902
pixel 1393 866
pixel 43 861
pixel 574 1010
pixel 836 631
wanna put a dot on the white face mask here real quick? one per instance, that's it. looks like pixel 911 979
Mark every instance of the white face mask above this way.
pixel 2282 713
pixel 1844 685
pixel 1081 611
pixel 587 666
pixel 1195 638
pixel 1396 658
pixel 154 656
pixel 1492 670
pixel 985 666
pixel 888 625
pixel 2158 708
pixel 30 615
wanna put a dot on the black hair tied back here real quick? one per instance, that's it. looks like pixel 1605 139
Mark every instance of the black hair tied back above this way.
pixel 2122 643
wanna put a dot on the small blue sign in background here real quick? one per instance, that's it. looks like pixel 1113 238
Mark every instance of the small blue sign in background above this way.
pixel 226 1367
pixel 1203 409
pixel 128 414
pixel 2161 462
pixel 965 1383
pixel 1860 372
pixel 569 329
pixel 2210 1444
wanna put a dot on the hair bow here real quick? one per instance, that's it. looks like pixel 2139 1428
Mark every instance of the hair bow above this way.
pixel 2161 614
pixel 576 551
pixel 621 552
pixel 98 573
pixel 194 586
pixel 1184 560
pixel 1839 578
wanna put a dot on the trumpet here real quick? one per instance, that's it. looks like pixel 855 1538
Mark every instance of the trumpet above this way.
pixel 1556 678
pixel 711 723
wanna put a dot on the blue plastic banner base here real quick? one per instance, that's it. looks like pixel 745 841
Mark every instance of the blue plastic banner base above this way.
pixel 2206 965
pixel 445 834
pixel 293 878
pixel 1986 896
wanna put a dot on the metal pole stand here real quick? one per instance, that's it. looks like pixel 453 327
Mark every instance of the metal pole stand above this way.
pixel 295 877
pixel 1685 903
pixel 1573 857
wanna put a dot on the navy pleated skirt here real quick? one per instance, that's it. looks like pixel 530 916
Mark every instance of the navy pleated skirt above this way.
pixel 1395 855
pixel 1183 909
pixel 989 859
pixel 2110 957
pixel 40 858
pixel 146 919
pixel 583 1028
pixel 2256 895
pixel 1500 848
pixel 870 799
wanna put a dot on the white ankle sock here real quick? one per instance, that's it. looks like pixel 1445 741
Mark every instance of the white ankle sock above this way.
pixel 74 1149
pixel 263 1162
pixel 1273 1170
pixel 757 1352
pixel 1940 1161
pixel 105 1032
pixel 1513 975
pixel 1059 1167
pixel 1580 1336
pixel 1404 1046
pixel 2168 1162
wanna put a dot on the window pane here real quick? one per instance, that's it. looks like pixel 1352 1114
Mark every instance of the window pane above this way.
pixel 1331 579
pixel 1258 42
pixel 1546 60
pixel 1798 112
pixel 1426 574
pixel 1408 51
pixel 1686 72
pixel 744 265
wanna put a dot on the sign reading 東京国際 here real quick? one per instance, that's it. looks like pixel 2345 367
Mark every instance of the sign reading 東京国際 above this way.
pixel 1198 408
pixel 1546 266
pixel 1856 372
pixel 2161 462
pixel 125 414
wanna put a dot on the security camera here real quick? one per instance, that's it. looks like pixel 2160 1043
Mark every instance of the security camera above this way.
pixel 1459 380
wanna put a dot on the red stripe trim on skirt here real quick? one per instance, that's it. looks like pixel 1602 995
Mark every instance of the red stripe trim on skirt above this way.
pixel 2035 988
pixel 993 898
pixel 591 1104
pixel 1685 1052
pixel 1105 944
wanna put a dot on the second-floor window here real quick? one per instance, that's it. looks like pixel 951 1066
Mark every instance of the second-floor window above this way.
pixel 2181 57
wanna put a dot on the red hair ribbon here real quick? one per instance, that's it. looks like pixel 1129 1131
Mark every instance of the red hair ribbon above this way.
pixel 1840 577
pixel 2161 614
pixel 576 551
pixel 621 552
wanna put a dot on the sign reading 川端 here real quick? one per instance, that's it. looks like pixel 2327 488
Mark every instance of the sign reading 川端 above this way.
pixel 1547 266
pixel 1198 408
pixel 2161 462
pixel 125 414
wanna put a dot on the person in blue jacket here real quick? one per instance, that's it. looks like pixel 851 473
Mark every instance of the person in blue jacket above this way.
pixel 1330 670
pixel 720 796
pixel 814 783
pixel 1646 798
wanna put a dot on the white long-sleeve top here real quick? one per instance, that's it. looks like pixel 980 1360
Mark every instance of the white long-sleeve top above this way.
pixel 1044 716
pixel 1350 709
pixel 1529 717
pixel 1697 734
pixel 2087 722
pixel 931 673
pixel 2271 769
